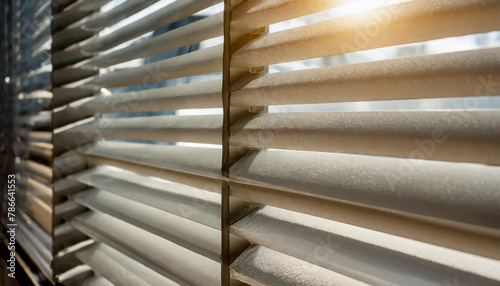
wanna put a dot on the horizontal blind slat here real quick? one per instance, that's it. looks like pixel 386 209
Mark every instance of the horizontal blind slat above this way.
pixel 170 128
pixel 198 161
pixel 162 17
pixel 193 267
pixel 374 219
pixel 459 74
pixel 119 268
pixel 76 11
pixel 195 63
pixel 96 22
pixel 187 96
pixel 409 22
pixel 175 198
pixel 262 266
pixel 415 186
pixel 471 136
pixel 196 237
pixel 259 13
pixel 369 256
pixel 189 34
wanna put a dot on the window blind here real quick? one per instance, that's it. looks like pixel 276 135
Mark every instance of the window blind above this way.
pixel 26 132
pixel 331 187
pixel 133 200
pixel 200 142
